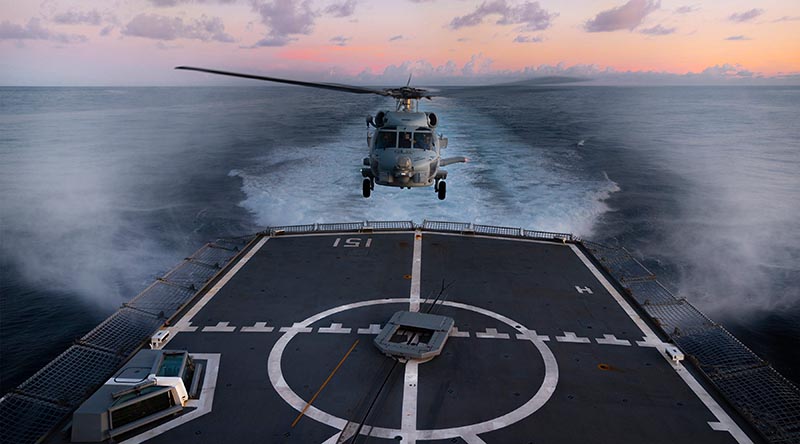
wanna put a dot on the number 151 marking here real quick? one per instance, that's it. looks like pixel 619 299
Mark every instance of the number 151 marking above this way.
pixel 352 242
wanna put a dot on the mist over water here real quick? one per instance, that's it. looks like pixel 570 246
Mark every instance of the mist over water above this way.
pixel 103 190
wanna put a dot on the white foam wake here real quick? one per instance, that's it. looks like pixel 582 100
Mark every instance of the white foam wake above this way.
pixel 506 182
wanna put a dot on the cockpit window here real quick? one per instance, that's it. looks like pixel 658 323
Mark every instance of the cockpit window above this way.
pixel 391 139
pixel 423 140
pixel 405 140
pixel 387 139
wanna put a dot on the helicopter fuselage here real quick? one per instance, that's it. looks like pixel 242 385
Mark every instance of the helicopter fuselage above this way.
pixel 404 150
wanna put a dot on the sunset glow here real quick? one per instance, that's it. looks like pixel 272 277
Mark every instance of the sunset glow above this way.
pixel 58 42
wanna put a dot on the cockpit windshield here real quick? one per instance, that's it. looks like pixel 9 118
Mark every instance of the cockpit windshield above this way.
pixel 387 139
pixel 403 139
pixel 422 140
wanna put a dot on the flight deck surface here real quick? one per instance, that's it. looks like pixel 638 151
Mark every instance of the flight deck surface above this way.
pixel 544 349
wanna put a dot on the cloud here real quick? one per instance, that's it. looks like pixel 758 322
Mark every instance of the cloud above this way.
pixel 658 30
pixel 477 64
pixel 159 27
pixel 687 9
pixel 527 39
pixel 627 16
pixel 528 14
pixel 737 38
pixel 345 9
pixel 340 40
pixel 746 16
pixel 787 18
pixel 285 18
pixel 170 3
pixel 73 17
pixel 34 30
pixel 478 70
pixel 397 37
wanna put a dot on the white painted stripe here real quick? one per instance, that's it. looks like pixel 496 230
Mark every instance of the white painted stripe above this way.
pixel 335 328
pixel 183 324
pixel 202 406
pixel 221 327
pixel 259 327
pixel 458 334
pixel 296 328
pixel 472 439
pixel 573 338
pixel 612 340
pixel 651 341
pixel 333 439
pixel 187 327
pixel 491 333
pixel 373 329
pixel 724 419
pixel 531 335
pixel 408 423
pixel 416 271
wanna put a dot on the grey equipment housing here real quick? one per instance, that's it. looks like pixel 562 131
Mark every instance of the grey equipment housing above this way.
pixel 413 335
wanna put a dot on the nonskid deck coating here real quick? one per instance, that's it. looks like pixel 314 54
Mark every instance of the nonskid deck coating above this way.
pixel 543 351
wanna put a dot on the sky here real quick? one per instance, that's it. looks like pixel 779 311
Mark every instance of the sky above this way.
pixel 379 42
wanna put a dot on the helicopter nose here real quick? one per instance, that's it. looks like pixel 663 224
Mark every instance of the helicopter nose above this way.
pixel 404 163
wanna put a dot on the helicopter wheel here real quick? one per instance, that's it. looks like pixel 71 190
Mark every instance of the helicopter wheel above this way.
pixel 366 188
pixel 442 190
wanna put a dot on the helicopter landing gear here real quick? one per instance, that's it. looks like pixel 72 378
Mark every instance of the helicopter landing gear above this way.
pixel 366 188
pixel 441 189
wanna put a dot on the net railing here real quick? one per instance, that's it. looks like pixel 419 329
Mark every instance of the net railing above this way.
pixel 492 230
pixel 766 399
pixel 427 225
pixel 33 409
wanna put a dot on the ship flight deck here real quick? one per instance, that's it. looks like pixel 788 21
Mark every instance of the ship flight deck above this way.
pixel 545 349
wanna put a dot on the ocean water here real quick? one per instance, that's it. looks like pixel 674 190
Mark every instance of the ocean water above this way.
pixel 104 189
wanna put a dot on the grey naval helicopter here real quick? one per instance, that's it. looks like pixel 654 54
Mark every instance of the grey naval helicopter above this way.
pixel 404 149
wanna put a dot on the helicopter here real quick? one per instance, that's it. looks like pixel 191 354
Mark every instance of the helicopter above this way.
pixel 404 148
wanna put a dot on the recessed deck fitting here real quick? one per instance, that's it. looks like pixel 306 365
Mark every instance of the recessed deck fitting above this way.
pixel 413 335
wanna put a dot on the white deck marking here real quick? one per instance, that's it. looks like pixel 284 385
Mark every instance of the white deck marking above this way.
pixel 373 329
pixel 335 328
pixel 408 423
pixel 724 420
pixel 416 271
pixel 203 405
pixel 187 327
pixel 612 340
pixel 259 327
pixel 531 335
pixel 538 400
pixel 491 333
pixel 651 341
pixel 221 327
pixel 333 439
pixel 583 290
pixel 458 334
pixel 573 338
pixel 184 323
pixel 472 439
pixel 297 327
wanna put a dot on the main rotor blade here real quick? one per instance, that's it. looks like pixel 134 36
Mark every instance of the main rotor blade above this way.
pixel 331 86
